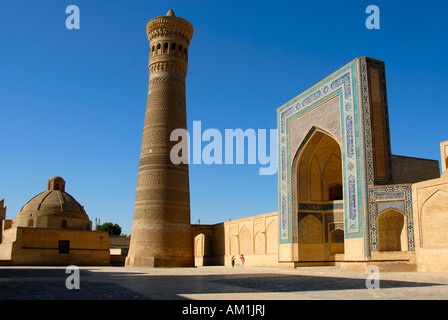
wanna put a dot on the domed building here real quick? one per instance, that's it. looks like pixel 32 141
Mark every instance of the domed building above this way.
pixel 53 229
pixel 54 209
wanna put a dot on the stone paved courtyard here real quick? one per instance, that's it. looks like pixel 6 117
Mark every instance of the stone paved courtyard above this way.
pixel 216 283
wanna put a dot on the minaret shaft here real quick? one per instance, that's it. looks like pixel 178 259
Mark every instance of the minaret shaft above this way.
pixel 161 231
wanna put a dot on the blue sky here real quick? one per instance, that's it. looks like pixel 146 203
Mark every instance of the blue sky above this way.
pixel 72 102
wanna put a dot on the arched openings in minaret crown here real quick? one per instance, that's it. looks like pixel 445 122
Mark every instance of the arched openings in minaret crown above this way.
pixel 169 47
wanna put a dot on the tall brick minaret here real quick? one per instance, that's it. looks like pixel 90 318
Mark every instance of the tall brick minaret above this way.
pixel 161 231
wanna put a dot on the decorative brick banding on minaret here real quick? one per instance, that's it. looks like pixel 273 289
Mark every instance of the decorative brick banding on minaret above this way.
pixel 161 231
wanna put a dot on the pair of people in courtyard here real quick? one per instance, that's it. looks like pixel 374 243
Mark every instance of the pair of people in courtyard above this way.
pixel 242 259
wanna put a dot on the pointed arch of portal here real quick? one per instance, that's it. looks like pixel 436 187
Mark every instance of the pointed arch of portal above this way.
pixel 316 176
pixel 311 140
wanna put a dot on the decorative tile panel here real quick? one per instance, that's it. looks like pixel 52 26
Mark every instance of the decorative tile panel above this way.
pixel 403 205
pixel 341 89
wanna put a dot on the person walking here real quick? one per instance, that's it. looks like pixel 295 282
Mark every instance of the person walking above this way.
pixel 233 261
pixel 242 260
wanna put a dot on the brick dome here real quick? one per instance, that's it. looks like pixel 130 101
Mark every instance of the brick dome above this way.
pixel 53 208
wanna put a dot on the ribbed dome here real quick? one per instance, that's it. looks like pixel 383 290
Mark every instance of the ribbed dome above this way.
pixel 53 203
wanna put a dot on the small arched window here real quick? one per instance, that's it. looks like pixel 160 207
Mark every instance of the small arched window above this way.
pixel 165 47
pixel 64 224
pixel 335 192
pixel 173 47
pixel 31 223
pixel 337 236
pixel 180 49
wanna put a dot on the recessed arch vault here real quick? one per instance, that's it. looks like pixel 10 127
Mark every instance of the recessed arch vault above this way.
pixel 316 185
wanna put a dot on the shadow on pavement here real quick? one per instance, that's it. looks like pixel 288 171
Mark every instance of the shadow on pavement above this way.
pixel 49 284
